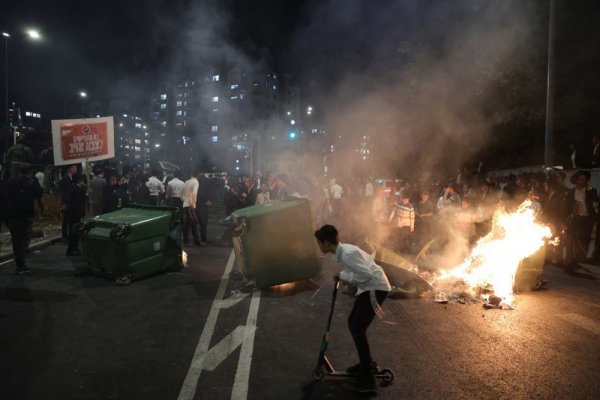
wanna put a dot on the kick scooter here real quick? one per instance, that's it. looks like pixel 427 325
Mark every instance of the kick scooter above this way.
pixel 324 366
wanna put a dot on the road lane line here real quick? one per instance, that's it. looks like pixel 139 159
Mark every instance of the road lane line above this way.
pixel 219 352
pixel 188 389
pixel 242 375
pixel 232 301
pixel 582 322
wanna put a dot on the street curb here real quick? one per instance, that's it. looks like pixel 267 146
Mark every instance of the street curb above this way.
pixel 8 256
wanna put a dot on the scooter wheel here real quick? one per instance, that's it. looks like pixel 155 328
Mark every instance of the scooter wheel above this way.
pixel 318 374
pixel 386 376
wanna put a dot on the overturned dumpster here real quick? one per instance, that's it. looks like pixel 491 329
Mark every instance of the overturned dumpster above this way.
pixel 132 243
pixel 274 242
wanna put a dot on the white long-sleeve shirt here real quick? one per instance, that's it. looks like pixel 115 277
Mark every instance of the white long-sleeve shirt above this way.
pixel 189 192
pixel 155 186
pixel 174 187
pixel 359 268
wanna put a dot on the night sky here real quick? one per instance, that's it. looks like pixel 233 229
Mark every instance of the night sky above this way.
pixel 93 44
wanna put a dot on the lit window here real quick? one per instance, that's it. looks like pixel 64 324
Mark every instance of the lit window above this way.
pixel 274 87
pixel 234 86
pixel 215 99
pixel 163 106
pixel 146 134
pixel 215 78
pixel 314 130
pixel 241 96
pixel 28 113
pixel 179 113
pixel 138 141
pixel 179 103
pixel 163 96
pixel 138 125
pixel 214 139
pixel 163 123
pixel 234 97
pixel 214 128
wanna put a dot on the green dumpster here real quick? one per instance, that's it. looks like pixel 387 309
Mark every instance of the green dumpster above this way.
pixel 274 242
pixel 132 243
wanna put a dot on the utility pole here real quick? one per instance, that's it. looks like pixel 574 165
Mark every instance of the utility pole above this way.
pixel 549 142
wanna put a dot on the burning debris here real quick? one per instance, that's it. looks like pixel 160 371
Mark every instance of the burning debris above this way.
pixel 489 272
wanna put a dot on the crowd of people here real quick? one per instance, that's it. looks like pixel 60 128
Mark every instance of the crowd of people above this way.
pixel 407 215
pixel 404 215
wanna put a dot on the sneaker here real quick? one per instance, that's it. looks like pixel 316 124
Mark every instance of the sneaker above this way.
pixel 23 271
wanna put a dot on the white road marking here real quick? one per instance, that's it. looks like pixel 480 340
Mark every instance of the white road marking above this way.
pixel 242 376
pixel 582 322
pixel 218 353
pixel 232 301
pixel 188 389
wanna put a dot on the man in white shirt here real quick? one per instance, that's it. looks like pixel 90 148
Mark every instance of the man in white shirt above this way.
pixel 173 193
pixel 359 269
pixel 156 188
pixel 336 191
pixel 188 194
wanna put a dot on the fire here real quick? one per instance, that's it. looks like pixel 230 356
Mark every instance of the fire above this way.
pixel 494 260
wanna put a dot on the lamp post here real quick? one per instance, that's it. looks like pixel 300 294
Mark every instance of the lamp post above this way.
pixel 4 127
pixel 31 34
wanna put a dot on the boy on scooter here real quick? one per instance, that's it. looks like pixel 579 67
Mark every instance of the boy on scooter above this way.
pixel 359 269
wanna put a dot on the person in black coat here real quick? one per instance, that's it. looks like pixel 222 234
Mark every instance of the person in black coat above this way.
pixel 581 202
pixel 65 186
pixel 23 192
pixel 77 202
pixel 203 203
pixel 111 196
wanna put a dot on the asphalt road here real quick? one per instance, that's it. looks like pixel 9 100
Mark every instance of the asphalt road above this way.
pixel 193 335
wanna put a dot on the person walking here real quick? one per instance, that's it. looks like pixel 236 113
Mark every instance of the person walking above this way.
pixel 358 268
pixel 23 192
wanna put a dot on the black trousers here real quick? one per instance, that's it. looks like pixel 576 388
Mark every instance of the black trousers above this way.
pixel 189 222
pixel 202 214
pixel 20 233
pixel 360 318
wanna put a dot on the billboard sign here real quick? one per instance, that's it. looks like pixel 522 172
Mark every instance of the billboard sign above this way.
pixel 82 140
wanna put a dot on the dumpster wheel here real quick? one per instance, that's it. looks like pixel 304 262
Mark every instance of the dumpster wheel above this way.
pixel 124 280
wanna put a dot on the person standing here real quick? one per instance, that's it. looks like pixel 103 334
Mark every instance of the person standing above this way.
pixel 98 185
pixel 359 269
pixel 110 200
pixel 76 205
pixel 405 221
pixel 580 200
pixel 189 193
pixel 173 193
pixel 156 188
pixel 203 204
pixel 65 189
pixel 424 218
pixel 22 192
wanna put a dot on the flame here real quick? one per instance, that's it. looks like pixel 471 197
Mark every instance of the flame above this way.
pixel 494 260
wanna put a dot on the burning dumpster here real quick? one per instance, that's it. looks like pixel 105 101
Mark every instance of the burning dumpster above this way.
pixel 132 243
pixel 274 242
pixel 528 274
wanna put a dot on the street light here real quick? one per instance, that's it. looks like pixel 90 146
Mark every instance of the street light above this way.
pixel 82 95
pixel 33 34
